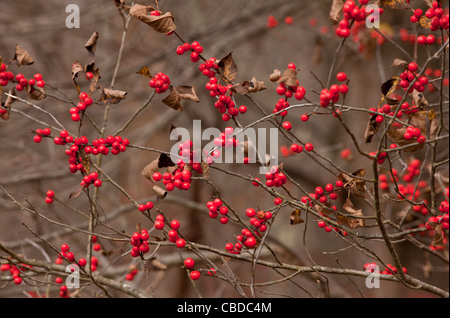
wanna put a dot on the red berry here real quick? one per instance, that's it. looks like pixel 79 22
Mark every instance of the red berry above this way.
pixel 309 147
pixel 189 263
pixel 175 224
pixel 341 77
pixel 194 275
pixel 82 262
pixel 180 243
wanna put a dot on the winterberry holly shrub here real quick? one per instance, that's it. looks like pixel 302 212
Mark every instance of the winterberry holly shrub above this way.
pixel 92 181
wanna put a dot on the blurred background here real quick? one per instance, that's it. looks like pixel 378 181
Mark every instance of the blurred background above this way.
pixel 28 170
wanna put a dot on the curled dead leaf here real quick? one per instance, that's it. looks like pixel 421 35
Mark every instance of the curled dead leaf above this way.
pixel 399 62
pixel 246 87
pixel 164 23
pixel 289 78
pixel 36 93
pixel 150 169
pixel 336 8
pixel 7 105
pixel 275 76
pixel 94 81
pixel 173 100
pixel 145 71
pixel 160 191
pixel 76 68
pixel 111 96
pixel 188 92
pixel 352 219
pixel 354 181
pixel 438 237
pixel 256 86
pixel 295 217
pixel 90 46
pixel 22 57
pixel 228 68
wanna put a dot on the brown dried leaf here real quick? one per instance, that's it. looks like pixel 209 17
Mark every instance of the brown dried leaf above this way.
pixel 94 81
pixel 438 237
pixel 150 169
pixel 22 56
pixel 90 46
pixel 173 100
pixel 36 93
pixel 295 217
pixel 336 8
pixel 353 212
pixel 419 100
pixel 228 68
pixel 399 62
pixel 246 87
pixel 289 78
pixel 275 76
pixel 163 23
pixel 188 92
pixel 145 71
pixel 395 4
pixel 9 101
pixel 76 68
pixel 371 129
pixel 112 96
pixel 256 86
pixel 353 181
pixel 388 88
pixel 160 191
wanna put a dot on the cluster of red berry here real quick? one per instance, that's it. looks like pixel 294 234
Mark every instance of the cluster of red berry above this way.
pixel 91 178
pixel 215 208
pixel 189 264
pixel 21 81
pixel 131 274
pixel 160 82
pixel 139 241
pixel 409 75
pixel 275 177
pixel 180 178
pixel 45 132
pixel 209 67
pixel 15 271
pixel 50 197
pixel 334 92
pixel 76 112
pixel 195 48
pixel 224 103
pixel 172 234
pixel 436 14
pixel 355 14
pixel 246 238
